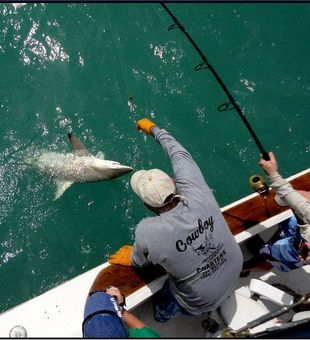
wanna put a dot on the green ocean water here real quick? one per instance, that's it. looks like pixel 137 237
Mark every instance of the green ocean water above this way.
pixel 94 69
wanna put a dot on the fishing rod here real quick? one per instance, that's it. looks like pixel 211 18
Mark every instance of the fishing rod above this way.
pixel 231 104
pixel 244 331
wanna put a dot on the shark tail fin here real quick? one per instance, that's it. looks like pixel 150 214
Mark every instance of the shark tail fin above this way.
pixel 62 186
pixel 78 146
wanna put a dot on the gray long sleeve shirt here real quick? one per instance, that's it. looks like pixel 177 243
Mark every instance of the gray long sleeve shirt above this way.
pixel 297 202
pixel 192 241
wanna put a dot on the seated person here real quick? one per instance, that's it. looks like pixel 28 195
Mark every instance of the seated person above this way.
pixel 105 315
pixel 289 248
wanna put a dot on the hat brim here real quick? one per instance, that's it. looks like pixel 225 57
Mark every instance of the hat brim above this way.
pixel 104 325
pixel 100 301
pixel 135 179
pixel 103 317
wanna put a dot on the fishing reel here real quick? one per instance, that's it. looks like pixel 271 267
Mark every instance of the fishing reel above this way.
pixel 259 185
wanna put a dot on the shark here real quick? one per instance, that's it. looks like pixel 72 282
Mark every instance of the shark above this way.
pixel 77 166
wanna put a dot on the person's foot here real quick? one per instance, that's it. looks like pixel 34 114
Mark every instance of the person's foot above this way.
pixel 244 273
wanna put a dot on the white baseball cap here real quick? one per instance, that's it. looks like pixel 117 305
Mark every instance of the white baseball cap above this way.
pixel 152 186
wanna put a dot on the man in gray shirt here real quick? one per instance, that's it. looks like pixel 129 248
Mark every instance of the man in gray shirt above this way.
pixel 189 237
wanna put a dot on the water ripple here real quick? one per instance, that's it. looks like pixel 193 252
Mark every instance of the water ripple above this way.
pixel 48 49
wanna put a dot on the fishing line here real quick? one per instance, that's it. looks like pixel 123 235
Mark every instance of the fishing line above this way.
pixel 231 104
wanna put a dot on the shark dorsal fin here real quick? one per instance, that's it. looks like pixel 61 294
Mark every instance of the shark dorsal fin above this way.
pixel 78 146
pixel 100 155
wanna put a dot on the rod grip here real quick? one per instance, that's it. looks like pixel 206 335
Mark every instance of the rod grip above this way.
pixel 266 156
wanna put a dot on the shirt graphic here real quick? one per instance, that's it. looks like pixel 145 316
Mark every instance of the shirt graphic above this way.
pixel 201 242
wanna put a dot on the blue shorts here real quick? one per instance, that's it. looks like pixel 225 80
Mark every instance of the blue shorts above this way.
pixel 289 228
pixel 283 248
pixel 165 305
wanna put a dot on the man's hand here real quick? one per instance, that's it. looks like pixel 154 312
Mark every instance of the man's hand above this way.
pixel 145 125
pixel 304 252
pixel 115 292
pixel 270 167
pixel 122 256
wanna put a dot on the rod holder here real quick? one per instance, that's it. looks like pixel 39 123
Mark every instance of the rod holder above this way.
pixel 259 185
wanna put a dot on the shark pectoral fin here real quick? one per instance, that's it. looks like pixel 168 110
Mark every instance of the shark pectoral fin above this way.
pixel 100 155
pixel 62 186
pixel 78 146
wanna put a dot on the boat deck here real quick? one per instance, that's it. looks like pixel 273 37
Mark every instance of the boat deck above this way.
pixel 246 218
pixel 59 311
pixel 191 327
